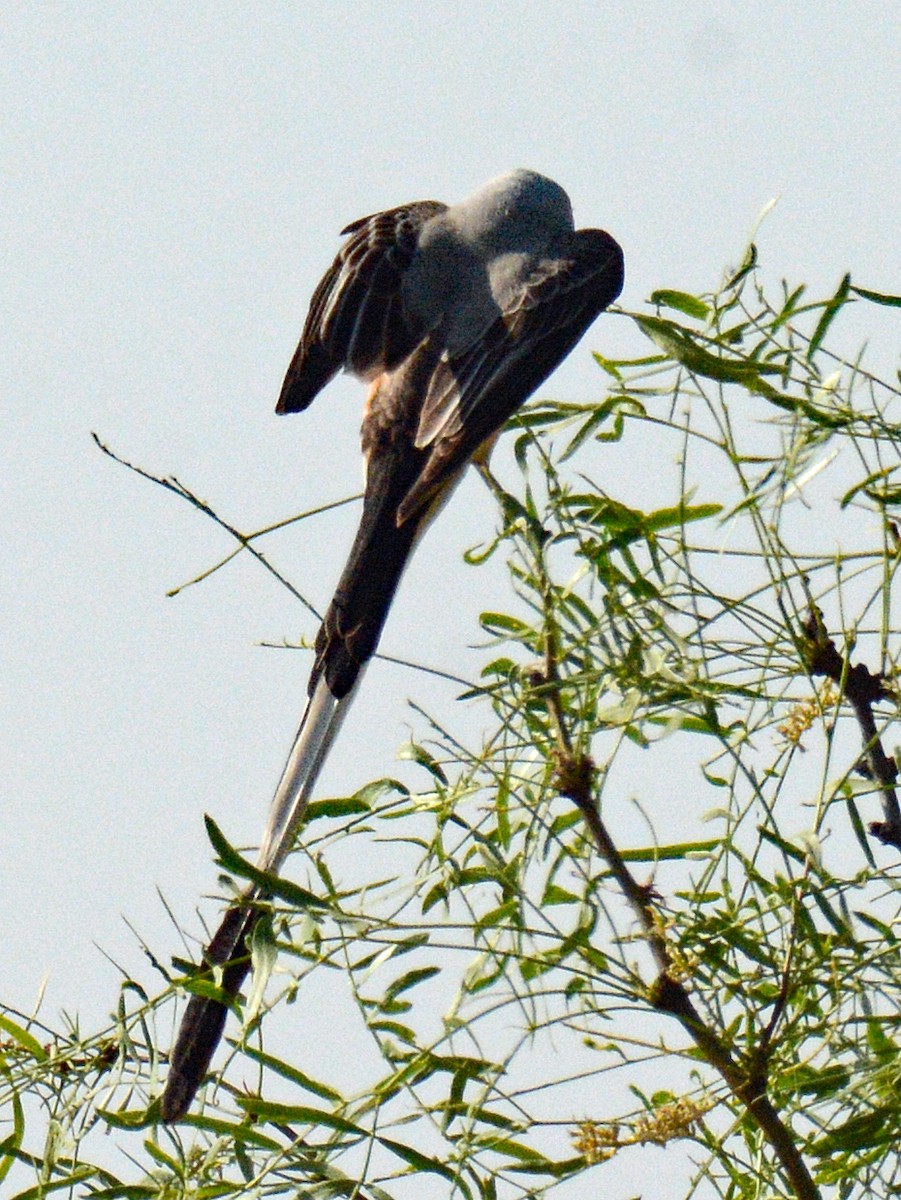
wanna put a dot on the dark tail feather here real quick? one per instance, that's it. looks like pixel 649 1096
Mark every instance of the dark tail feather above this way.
pixel 204 1019
pixel 347 640
pixel 350 633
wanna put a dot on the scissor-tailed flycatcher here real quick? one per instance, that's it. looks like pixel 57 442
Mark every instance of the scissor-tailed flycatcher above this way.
pixel 455 315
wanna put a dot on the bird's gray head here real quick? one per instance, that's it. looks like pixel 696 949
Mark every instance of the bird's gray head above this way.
pixel 521 201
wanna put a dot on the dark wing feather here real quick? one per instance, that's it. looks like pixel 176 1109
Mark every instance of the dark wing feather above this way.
pixel 356 318
pixel 473 393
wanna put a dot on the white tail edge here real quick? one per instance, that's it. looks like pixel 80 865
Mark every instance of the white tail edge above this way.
pixel 319 727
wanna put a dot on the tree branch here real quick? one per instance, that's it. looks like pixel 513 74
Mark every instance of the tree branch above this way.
pixel 575 780
pixel 862 689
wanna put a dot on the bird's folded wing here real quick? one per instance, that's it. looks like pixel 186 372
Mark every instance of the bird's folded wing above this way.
pixel 357 318
pixel 473 392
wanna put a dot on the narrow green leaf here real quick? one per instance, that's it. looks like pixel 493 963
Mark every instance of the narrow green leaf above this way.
pixel 136 1118
pixel 272 885
pixel 865 485
pixel 750 262
pixel 229 858
pixel 464 1064
pixel 240 1133
pixel 411 980
pixel 413 752
pixel 718 781
pixel 882 928
pixel 40 1190
pixel 830 312
pixel 877 297
pixel 158 1154
pixel 680 344
pixel 594 958
pixel 347 806
pixel 829 912
pixel 560 1169
pixel 811 1081
pixel 557 895
pixel 586 429
pixel 539 964
pixel 884 497
pixel 24 1039
pixel 648 360
pixel 487 1187
pixel 681 301
pixel 494 622
pixel 196 985
pixel 476 555
pixel 435 895
pixel 503 914
pixel 608 365
pixel 788 308
pixel 565 821
pixel 423 1162
pixel 403 1032
pixel 676 850
pixel 787 848
pixel 483 974
pixel 857 1133
pixel 679 515
pixel 11 1144
pixel 300 1114
pixel 263 957
pixel 517 1150
pixel 293 1074
pixel 884 1049
pixel 137 1191
pixel 502 809
pixel 485 1116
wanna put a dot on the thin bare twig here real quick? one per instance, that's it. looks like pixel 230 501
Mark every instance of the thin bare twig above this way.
pixel 171 484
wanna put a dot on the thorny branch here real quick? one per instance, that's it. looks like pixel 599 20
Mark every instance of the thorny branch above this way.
pixel 862 689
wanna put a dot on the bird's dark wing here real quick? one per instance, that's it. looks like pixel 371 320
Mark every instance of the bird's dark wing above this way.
pixel 357 319
pixel 471 394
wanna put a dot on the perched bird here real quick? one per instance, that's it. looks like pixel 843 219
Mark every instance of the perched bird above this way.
pixel 454 315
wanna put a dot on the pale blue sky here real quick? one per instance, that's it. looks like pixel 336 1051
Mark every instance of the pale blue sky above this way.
pixel 173 180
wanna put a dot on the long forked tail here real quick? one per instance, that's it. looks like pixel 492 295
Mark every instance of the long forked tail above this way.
pixel 229 951
pixel 346 641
